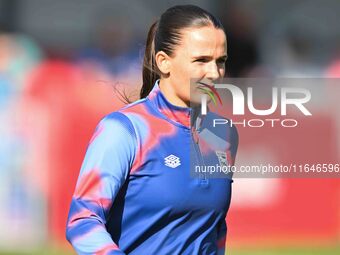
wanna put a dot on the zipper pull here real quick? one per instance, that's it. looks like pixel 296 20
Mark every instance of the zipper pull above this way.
pixel 195 135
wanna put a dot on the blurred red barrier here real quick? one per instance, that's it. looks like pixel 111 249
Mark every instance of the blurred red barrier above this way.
pixel 300 209
pixel 75 101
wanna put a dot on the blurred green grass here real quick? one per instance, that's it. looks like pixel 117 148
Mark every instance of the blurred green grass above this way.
pixel 236 251
pixel 287 251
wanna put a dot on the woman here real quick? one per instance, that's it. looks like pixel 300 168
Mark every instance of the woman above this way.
pixel 134 194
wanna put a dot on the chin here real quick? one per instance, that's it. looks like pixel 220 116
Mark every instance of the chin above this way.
pixel 209 99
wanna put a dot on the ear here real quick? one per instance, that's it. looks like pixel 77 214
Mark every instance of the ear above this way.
pixel 163 62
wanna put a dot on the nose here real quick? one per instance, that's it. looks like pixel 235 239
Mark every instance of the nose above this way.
pixel 213 71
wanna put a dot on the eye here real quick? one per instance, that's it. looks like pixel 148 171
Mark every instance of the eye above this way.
pixel 201 60
pixel 221 61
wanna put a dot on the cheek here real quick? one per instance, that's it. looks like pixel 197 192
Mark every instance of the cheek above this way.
pixel 183 73
pixel 187 71
pixel 197 71
pixel 180 78
pixel 179 71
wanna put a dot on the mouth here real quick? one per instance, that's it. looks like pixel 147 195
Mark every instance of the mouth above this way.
pixel 210 90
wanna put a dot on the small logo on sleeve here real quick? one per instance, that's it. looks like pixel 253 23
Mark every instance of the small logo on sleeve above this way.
pixel 172 161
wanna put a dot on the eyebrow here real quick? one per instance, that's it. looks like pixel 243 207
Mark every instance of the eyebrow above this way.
pixel 208 56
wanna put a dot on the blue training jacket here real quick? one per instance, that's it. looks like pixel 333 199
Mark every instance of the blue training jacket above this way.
pixel 135 195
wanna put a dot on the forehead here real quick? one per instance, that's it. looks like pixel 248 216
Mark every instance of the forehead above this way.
pixel 206 40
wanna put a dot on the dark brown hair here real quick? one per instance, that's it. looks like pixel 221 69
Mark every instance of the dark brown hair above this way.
pixel 165 34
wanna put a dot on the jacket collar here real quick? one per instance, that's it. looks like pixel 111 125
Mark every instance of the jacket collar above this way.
pixel 183 116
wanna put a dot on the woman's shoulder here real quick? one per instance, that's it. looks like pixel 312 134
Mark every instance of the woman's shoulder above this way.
pixel 126 117
pixel 116 123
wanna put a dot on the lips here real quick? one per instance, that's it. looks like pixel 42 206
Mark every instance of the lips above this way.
pixel 211 88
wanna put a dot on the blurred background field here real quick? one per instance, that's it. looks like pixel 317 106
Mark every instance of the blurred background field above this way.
pixel 61 63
